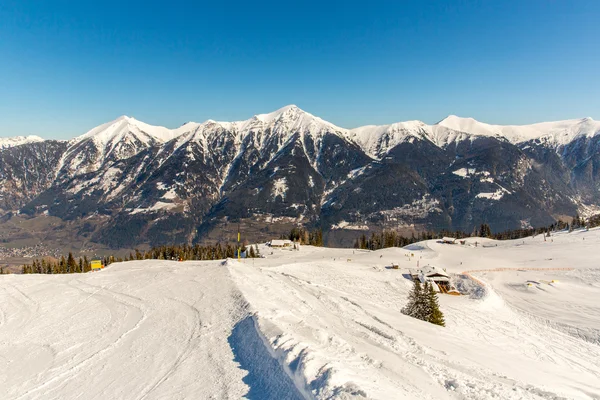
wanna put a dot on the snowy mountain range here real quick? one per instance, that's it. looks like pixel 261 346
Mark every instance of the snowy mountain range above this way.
pixel 140 183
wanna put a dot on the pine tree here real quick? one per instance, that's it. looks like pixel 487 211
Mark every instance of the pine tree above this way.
pixel 422 305
pixel 412 307
pixel 435 314
pixel 71 263
pixel 425 302
pixel 485 231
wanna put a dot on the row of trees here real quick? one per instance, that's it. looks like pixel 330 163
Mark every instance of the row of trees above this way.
pixel 195 252
pixel 304 236
pixel 423 304
pixel 65 265
pixel 68 265
pixel 390 238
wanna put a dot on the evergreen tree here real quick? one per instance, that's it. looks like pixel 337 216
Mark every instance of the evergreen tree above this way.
pixel 435 315
pixel 71 264
pixel 426 304
pixel 412 308
pixel 62 265
pixel 485 231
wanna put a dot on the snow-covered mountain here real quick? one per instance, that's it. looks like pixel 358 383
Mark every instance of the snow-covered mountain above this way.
pixel 7 142
pixel 378 139
pixel 292 167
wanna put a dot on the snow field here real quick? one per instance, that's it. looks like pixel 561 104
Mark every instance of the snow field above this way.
pixel 317 323
pixel 338 322
pixel 137 330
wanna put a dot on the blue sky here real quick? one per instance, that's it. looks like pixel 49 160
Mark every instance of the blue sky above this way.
pixel 67 66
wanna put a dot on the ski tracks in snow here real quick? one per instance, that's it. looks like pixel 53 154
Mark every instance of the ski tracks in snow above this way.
pixel 130 331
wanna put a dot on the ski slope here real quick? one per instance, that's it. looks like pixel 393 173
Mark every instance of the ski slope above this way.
pixel 311 324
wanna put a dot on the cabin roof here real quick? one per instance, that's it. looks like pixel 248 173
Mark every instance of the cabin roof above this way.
pixel 431 271
pixel 280 242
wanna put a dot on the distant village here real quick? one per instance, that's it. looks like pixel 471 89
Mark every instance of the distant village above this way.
pixel 39 250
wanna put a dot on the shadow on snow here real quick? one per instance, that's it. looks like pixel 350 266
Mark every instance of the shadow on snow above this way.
pixel 266 377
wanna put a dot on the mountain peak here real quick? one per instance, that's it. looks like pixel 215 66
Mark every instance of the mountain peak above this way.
pixel 124 125
pixel 454 119
pixel 287 111
pixel 468 125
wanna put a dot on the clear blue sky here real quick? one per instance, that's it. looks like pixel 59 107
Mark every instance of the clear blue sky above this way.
pixel 67 66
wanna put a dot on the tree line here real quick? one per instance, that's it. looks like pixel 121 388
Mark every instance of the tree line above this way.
pixel 69 264
pixel 304 236
pixel 390 238
pixel 65 265
pixel 196 252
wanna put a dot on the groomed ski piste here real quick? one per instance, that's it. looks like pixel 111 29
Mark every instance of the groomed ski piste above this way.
pixel 317 323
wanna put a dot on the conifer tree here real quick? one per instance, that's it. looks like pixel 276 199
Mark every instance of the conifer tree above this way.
pixel 62 265
pixel 426 304
pixel 435 314
pixel 71 263
pixel 412 307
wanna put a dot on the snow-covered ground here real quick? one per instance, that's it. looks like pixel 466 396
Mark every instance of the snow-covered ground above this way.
pixel 314 324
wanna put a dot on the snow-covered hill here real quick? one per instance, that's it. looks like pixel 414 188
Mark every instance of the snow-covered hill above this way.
pixel 311 324
pixel 6 142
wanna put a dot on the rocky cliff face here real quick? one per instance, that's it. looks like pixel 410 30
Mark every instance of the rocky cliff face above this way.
pixel 156 185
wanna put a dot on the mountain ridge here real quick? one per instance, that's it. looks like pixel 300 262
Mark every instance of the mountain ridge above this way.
pixel 561 131
pixel 289 166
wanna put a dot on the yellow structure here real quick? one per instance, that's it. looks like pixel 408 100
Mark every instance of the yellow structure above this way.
pixel 96 265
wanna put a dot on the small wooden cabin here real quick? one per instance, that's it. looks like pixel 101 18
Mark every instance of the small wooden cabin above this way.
pixel 439 279
pixel 281 243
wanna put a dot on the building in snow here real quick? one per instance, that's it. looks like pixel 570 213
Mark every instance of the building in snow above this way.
pixel 280 243
pixel 448 240
pixel 437 277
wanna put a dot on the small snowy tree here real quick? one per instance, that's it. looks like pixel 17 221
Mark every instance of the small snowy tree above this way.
pixel 412 308
pixel 423 304
pixel 435 315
